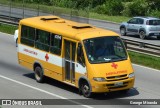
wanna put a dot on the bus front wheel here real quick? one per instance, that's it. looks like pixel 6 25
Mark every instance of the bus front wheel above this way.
pixel 39 74
pixel 86 90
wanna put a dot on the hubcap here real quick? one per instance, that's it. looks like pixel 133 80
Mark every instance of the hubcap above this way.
pixel 142 35
pixel 122 31
pixel 37 75
pixel 86 89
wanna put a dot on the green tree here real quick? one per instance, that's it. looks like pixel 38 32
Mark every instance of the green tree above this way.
pixel 135 8
pixel 110 7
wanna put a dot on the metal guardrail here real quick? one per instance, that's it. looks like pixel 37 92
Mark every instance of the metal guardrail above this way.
pixel 143 47
pixel 137 46
pixel 9 20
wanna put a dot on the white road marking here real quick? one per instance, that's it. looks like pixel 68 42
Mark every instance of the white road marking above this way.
pixel 41 90
pixel 146 67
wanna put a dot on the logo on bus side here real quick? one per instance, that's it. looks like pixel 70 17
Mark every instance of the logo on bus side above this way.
pixel 46 57
pixel 30 51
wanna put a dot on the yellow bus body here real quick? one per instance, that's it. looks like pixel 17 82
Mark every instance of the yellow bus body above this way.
pixel 53 65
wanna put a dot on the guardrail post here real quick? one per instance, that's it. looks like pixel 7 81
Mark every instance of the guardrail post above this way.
pixel 10 9
pixel 141 45
pixel 23 8
pixel 38 9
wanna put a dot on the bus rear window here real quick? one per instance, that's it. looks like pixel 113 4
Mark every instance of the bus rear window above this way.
pixel 27 35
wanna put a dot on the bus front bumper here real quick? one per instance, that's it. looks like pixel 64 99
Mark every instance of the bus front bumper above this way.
pixel 100 87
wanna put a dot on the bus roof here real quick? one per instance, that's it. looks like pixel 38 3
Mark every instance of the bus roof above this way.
pixel 67 28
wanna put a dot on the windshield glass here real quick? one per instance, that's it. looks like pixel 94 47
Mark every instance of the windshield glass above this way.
pixel 105 49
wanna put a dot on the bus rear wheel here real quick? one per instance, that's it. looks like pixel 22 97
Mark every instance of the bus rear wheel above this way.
pixel 39 74
pixel 86 90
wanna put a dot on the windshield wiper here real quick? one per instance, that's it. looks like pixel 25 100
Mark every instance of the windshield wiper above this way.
pixel 107 59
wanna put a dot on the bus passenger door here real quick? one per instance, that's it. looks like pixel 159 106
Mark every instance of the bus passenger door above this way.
pixel 69 61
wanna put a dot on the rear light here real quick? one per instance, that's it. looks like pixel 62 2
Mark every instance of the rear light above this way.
pixel 147 22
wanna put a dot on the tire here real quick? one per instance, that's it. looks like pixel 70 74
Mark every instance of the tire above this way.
pixel 123 31
pixel 124 91
pixel 86 90
pixel 158 37
pixel 39 74
pixel 142 34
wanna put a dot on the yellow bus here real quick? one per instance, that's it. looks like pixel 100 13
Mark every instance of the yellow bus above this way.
pixel 92 59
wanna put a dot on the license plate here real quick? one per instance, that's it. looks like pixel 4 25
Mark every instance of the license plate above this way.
pixel 117 84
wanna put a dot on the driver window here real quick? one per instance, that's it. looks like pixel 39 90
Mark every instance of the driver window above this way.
pixel 80 55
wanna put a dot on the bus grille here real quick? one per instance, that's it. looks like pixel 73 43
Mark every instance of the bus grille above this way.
pixel 117 78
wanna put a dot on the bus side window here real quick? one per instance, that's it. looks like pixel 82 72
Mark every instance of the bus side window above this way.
pixel 80 55
pixel 42 40
pixel 27 35
pixel 56 43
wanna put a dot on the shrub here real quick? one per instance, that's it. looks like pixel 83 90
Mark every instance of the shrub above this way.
pixel 110 7
pixel 100 9
pixel 155 13
pixel 135 8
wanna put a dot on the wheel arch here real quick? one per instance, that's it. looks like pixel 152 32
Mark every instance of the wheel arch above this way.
pixel 122 26
pixel 35 64
pixel 142 29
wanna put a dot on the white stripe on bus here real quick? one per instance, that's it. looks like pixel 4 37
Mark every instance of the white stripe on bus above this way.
pixel 53 59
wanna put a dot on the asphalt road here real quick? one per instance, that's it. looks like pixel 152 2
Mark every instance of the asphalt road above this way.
pixel 18 12
pixel 16 82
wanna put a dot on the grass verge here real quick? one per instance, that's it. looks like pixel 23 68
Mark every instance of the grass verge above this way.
pixel 137 58
pixel 7 28
pixel 145 60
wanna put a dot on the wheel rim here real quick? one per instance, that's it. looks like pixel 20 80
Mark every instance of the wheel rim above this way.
pixel 122 31
pixel 142 35
pixel 37 75
pixel 86 90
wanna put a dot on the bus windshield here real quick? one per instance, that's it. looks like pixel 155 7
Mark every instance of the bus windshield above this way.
pixel 105 49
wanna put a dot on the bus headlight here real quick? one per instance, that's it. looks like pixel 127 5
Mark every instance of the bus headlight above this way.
pixel 100 79
pixel 131 75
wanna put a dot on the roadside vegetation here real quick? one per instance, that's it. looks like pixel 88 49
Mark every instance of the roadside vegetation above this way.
pixel 145 60
pixel 7 28
pixel 111 10
pixel 137 58
pixel 107 7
